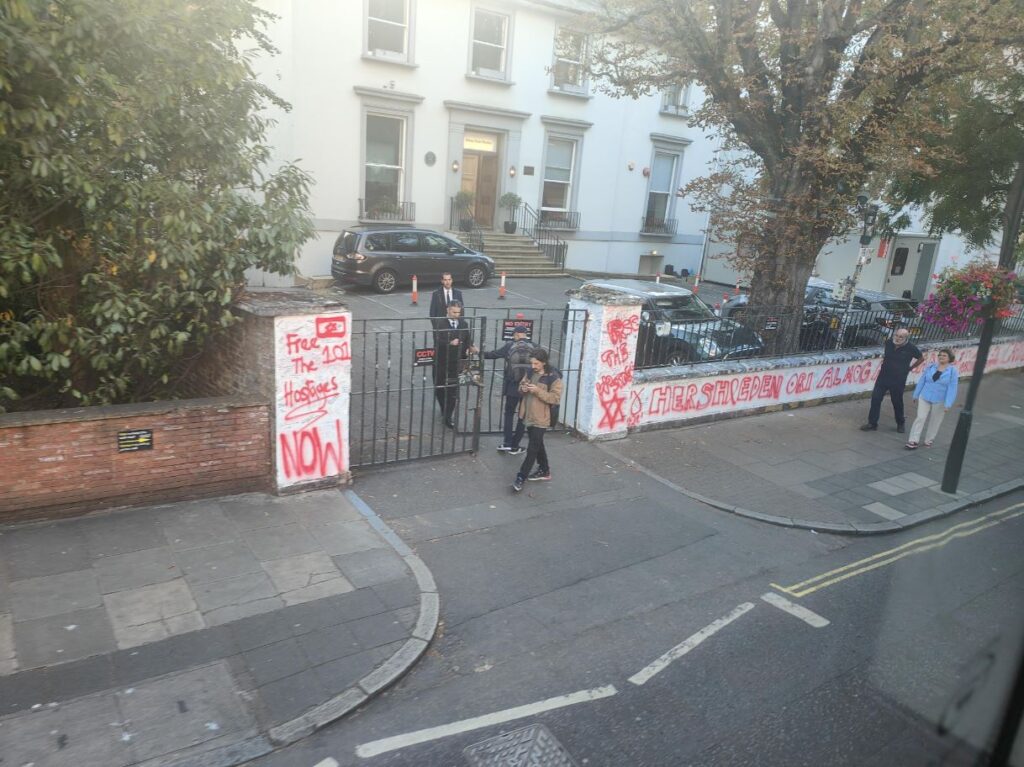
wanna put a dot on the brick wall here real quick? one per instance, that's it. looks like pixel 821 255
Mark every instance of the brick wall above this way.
pixel 63 462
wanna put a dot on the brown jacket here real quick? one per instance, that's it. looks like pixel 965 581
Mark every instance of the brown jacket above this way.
pixel 535 407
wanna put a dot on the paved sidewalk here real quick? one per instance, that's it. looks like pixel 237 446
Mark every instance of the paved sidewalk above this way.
pixel 813 468
pixel 203 632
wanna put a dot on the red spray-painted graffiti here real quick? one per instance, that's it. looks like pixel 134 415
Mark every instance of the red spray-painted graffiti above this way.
pixel 615 368
pixel 313 361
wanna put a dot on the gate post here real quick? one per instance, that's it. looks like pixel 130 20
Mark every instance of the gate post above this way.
pixel 603 401
pixel 312 358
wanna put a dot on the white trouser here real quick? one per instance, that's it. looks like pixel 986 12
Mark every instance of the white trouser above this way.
pixel 936 410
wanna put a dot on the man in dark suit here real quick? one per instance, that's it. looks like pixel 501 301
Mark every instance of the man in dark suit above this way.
pixel 453 341
pixel 441 298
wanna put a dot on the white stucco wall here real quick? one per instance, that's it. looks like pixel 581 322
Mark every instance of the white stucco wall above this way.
pixel 322 62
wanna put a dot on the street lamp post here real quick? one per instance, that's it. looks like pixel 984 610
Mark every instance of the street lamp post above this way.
pixel 869 214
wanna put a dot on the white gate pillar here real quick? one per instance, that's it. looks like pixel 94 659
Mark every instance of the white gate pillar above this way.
pixel 606 405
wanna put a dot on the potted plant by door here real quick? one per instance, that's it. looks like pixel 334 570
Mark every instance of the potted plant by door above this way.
pixel 510 201
pixel 464 208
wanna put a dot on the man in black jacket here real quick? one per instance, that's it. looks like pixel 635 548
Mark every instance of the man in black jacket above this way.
pixel 899 359
pixel 442 298
pixel 516 354
pixel 453 341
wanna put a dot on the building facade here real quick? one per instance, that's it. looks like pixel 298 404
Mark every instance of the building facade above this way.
pixel 398 105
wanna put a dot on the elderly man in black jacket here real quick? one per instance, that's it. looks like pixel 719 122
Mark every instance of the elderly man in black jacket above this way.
pixel 453 341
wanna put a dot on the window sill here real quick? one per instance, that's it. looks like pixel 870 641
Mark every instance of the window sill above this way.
pixel 662 235
pixel 389 60
pixel 487 79
pixel 571 94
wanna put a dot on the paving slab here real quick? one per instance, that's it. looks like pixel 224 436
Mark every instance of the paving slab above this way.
pixel 195 630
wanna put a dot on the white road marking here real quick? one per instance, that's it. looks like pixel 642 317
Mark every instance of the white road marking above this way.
pixel 645 674
pixel 328 762
pixel 798 611
pixel 375 747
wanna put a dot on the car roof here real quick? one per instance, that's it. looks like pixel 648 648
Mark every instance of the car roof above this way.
pixel 869 295
pixel 366 228
pixel 641 288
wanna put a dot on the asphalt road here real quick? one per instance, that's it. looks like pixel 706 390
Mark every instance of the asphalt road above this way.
pixel 637 619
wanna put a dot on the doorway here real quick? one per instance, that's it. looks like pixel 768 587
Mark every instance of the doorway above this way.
pixel 480 175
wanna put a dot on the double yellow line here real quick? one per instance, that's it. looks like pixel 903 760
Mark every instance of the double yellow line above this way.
pixel 919 546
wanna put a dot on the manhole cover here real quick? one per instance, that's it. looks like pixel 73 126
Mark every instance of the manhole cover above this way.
pixel 532 746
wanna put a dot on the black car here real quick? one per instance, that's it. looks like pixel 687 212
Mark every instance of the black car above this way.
pixel 386 257
pixel 676 327
pixel 872 318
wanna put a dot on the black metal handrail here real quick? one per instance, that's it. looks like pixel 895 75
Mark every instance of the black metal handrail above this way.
pixel 560 219
pixel 387 211
pixel 656 225
pixel 461 220
pixel 533 225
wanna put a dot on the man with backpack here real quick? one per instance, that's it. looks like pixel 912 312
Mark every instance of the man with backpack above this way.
pixel 516 354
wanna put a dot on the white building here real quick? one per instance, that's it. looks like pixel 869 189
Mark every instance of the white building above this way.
pixel 399 104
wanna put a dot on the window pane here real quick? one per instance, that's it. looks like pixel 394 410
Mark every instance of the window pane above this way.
pixel 377 242
pixel 657 206
pixel 405 243
pixel 489 28
pixel 569 45
pixel 560 153
pixel 382 187
pixel 433 243
pixel 386 37
pixel 383 140
pixel 487 57
pixel 661 173
pixel 556 195
pixel 392 10
pixel 567 73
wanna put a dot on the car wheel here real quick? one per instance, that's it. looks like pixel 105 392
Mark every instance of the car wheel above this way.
pixel 385 281
pixel 476 277
pixel 681 357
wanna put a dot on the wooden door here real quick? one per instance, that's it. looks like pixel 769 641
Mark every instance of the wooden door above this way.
pixel 486 191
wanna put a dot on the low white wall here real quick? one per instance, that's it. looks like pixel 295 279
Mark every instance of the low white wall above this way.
pixel 677 395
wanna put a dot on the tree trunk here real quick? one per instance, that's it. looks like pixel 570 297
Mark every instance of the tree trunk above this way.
pixel 1012 211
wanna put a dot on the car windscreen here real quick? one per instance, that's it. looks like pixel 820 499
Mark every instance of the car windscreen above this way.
pixel 681 308
pixel 899 307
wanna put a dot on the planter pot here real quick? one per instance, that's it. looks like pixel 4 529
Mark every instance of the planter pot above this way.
pixel 510 227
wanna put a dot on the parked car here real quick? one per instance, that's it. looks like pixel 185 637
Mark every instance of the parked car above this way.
pixel 385 257
pixel 873 316
pixel 676 327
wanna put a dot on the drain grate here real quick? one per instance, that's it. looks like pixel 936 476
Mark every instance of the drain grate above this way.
pixel 532 746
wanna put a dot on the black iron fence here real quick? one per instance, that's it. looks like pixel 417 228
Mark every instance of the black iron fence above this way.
pixel 461 219
pixel 742 333
pixel 386 211
pixel 548 330
pixel 532 224
pixel 560 219
pixel 656 225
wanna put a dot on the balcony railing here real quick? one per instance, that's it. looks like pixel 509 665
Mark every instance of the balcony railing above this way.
pixel 654 225
pixel 568 220
pixel 387 211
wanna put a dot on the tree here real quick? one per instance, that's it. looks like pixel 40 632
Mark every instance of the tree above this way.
pixel 974 180
pixel 134 191
pixel 817 96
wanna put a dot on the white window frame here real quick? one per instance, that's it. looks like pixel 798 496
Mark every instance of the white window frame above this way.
pixel 506 47
pixel 574 164
pixel 675 100
pixel 404 141
pixel 405 57
pixel 582 87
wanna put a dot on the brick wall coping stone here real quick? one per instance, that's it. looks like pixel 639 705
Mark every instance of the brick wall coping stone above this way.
pixel 758 364
pixel 105 412
pixel 278 302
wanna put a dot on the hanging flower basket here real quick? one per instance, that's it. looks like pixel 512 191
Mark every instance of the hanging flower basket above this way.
pixel 968 295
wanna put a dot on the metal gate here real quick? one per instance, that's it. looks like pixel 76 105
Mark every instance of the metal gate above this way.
pixel 550 330
pixel 394 414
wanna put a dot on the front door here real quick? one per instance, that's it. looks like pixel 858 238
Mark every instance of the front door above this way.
pixel 480 175
pixel 486 191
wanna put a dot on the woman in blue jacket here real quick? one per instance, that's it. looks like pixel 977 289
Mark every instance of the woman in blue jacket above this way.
pixel 935 394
